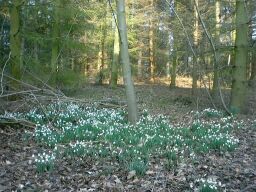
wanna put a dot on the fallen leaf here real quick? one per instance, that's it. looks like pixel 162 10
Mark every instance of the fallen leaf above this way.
pixel 8 162
pixel 136 180
pixel 21 186
pixel 150 172
pixel 131 174
pixel 118 181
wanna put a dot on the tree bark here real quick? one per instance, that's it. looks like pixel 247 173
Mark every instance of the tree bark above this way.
pixel 102 52
pixel 125 60
pixel 115 61
pixel 173 71
pixel 55 40
pixel 195 59
pixel 140 64
pixel 151 43
pixel 168 69
pixel 15 41
pixel 252 80
pixel 217 40
pixel 239 82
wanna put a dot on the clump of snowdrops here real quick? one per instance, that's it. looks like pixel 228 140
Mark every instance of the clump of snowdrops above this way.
pixel 105 133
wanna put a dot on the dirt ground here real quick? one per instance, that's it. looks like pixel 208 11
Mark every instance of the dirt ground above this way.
pixel 237 170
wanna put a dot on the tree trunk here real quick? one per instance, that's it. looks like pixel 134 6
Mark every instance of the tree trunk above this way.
pixel 252 70
pixel 195 60
pixel 239 82
pixel 102 49
pixel 173 71
pixel 194 75
pixel 102 61
pixel 151 44
pixel 15 42
pixel 140 65
pixel 217 40
pixel 127 76
pixel 55 41
pixel 168 70
pixel 115 61
pixel 252 80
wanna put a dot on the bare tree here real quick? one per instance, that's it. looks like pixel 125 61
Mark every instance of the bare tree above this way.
pixel 127 76
pixel 239 82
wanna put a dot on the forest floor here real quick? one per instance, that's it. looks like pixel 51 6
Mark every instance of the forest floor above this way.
pixel 236 170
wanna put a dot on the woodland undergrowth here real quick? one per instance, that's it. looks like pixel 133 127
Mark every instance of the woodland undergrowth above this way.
pixel 71 131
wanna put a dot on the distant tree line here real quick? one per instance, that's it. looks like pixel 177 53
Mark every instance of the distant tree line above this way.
pixel 67 43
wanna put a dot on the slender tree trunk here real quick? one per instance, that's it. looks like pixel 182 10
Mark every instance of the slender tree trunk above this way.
pixel 129 87
pixel 239 82
pixel 168 69
pixel 217 42
pixel 22 51
pixel 36 46
pixel 140 65
pixel 151 44
pixel 252 70
pixel 99 75
pixel 195 60
pixel 55 41
pixel 174 49
pixel 55 45
pixel 173 71
pixel 15 41
pixel 101 61
pixel 115 61
pixel 194 75
pixel 102 49
pixel 252 80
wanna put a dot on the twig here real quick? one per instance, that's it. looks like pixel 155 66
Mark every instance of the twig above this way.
pixel 114 16
pixel 183 27
pixel 19 81
pixel 10 120
pixel 112 105
pixel 50 90
pixel 209 94
pixel 19 92
pixel 43 109
pixel 45 84
pixel 2 76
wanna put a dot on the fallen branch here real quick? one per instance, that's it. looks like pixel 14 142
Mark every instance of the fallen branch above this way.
pixel 2 75
pixel 110 105
pixel 12 120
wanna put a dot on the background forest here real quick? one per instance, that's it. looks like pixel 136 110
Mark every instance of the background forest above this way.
pixel 67 44
pixel 135 95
